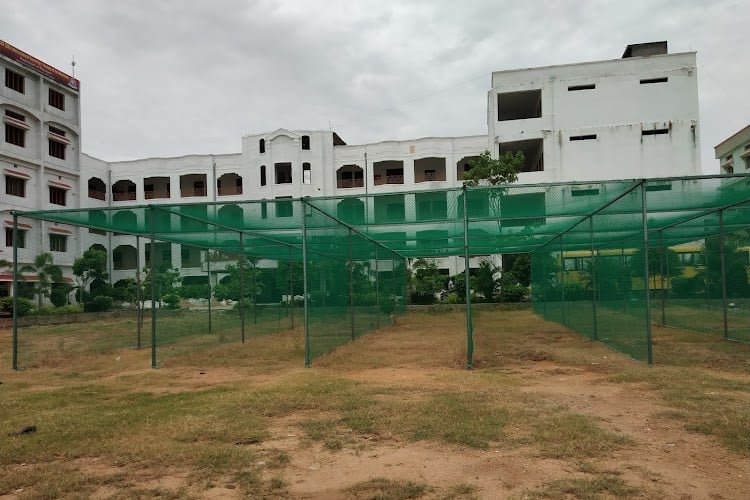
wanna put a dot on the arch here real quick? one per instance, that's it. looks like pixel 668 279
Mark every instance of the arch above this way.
pixel 193 185
pixel 124 257
pixel 429 169
pixel 125 220
pixel 229 184
pixel 156 187
pixel 98 246
pixel 351 211
pixel 350 176
pixel 231 215
pixel 464 165
pixel 97 219
pixel 262 146
pixel 97 189
pixel 388 172
pixel 123 190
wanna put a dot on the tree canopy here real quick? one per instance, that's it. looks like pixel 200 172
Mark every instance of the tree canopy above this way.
pixel 487 170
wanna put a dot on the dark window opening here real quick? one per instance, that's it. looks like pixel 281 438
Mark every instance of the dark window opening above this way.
pixel 56 99
pixel 264 210
pixel 284 208
pixel 9 238
pixel 306 142
pixel 659 187
pixel 519 105
pixel 589 86
pixel 523 209
pixel 283 173
pixel 15 135
pixel 57 149
pixel 656 131
pixel 15 186
pixel 646 81
pixel 262 175
pixel 533 152
pixel 57 196
pixel 587 137
pixel 14 81
pixel 58 243
pixel 262 145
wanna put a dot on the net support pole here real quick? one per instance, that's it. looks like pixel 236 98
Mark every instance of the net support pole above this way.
pixel 15 291
pixel 152 270
pixel 646 298
pixel 469 323
pixel 208 275
pixel 290 302
pixel 242 287
pixel 304 285
pixel 377 290
pixel 724 304
pixel 139 293
pixel 662 258
pixel 594 277
pixel 351 285
pixel 562 282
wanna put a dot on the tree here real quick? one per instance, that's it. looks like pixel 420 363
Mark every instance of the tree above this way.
pixel 90 266
pixel 165 280
pixel 486 281
pixel 47 273
pixel 486 170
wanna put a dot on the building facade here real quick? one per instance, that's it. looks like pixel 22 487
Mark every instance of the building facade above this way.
pixel 733 152
pixel 625 118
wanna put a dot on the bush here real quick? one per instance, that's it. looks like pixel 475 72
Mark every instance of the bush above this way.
pixel 172 301
pixel 246 303
pixel 59 296
pixel 69 309
pixel 423 298
pixel 199 291
pixel 514 293
pixel 25 306
pixel 43 311
pixel 100 303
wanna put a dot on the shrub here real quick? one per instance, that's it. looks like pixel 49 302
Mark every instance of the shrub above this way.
pixel 172 301
pixel 100 303
pixel 25 306
pixel 200 291
pixel 453 298
pixel 59 296
pixel 69 309
pixel 43 311
pixel 514 293
pixel 423 298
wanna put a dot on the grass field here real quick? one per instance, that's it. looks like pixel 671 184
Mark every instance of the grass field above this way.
pixel 394 414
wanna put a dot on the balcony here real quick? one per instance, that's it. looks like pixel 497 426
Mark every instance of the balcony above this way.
pixel 190 193
pixel 123 196
pixel 97 195
pixel 350 183
pixel 156 194
pixel 230 191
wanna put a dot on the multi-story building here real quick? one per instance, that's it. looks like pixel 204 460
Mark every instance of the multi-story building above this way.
pixel 625 118
pixel 733 152
pixel 39 156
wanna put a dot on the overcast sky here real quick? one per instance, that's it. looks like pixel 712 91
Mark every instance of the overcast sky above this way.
pixel 168 78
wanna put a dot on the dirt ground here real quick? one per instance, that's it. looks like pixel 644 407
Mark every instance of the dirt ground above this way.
pixel 664 459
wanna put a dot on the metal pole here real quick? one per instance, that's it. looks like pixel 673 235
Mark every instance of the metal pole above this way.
pixel 351 284
pixel 15 291
pixel 594 282
pixel 138 292
pixel 469 324
pixel 644 220
pixel 723 274
pixel 290 303
pixel 242 287
pixel 208 272
pixel 562 282
pixel 377 290
pixel 152 270
pixel 304 284
pixel 661 273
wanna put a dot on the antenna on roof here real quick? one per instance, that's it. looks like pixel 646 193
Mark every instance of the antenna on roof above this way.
pixel 73 65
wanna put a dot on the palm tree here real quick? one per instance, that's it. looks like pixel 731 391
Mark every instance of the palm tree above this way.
pixel 47 273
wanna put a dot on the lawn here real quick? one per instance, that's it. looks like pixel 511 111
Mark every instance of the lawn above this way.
pixel 394 414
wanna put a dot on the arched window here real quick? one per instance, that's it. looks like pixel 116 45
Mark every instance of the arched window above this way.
pixel 306 174
pixel 97 188
pixel 306 142
pixel 262 145
pixel 262 175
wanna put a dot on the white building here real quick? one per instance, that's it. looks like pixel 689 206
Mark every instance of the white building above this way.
pixel 733 152
pixel 624 118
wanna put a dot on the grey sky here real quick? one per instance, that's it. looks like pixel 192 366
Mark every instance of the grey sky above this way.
pixel 167 78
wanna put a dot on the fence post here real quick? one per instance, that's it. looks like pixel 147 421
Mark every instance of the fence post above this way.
pixel 138 292
pixel 562 282
pixel 594 282
pixel 290 302
pixel 662 259
pixel 304 284
pixel 723 273
pixel 469 323
pixel 351 284
pixel 377 289
pixel 647 300
pixel 152 229
pixel 208 272
pixel 242 287
pixel 15 291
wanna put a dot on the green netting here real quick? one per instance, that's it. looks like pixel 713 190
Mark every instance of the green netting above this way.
pixel 591 246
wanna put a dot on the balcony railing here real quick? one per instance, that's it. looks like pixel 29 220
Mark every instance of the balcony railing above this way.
pixel 97 195
pixel 123 196
pixel 188 193
pixel 394 179
pixel 350 183
pixel 151 195
pixel 230 191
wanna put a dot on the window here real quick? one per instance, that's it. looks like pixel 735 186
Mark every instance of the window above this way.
pixel 56 99
pixel 656 131
pixel 264 210
pixel 14 81
pixel 15 134
pixel 262 145
pixel 283 173
pixel 587 137
pixel 306 173
pixel 56 149
pixel 306 142
pixel 15 186
pixel 262 175
pixel 590 86
pixel 647 81
pixel 519 105
pixel 58 243
pixel 584 192
pixel 284 207
pixel 56 196
pixel 9 237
